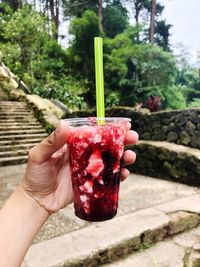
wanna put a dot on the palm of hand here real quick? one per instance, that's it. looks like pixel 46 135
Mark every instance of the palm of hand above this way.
pixel 50 182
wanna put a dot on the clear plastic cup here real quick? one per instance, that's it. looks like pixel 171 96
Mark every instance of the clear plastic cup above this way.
pixel 96 147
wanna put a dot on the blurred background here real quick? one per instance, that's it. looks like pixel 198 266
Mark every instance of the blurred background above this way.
pixel 151 48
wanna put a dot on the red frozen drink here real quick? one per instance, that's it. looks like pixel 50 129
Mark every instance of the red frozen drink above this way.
pixel 95 151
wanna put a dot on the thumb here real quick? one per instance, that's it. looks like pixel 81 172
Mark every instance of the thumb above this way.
pixel 44 150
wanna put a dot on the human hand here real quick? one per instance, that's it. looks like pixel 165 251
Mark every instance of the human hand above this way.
pixel 47 178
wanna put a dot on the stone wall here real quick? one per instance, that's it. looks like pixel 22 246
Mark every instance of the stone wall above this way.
pixel 167 161
pixel 178 126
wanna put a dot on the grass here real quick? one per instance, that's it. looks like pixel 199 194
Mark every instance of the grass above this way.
pixel 144 246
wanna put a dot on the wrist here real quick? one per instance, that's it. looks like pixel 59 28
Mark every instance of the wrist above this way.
pixel 20 219
pixel 32 202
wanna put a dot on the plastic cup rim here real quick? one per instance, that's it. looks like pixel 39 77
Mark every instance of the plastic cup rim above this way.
pixel 90 120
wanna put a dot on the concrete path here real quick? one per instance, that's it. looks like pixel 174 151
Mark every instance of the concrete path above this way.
pixel 149 210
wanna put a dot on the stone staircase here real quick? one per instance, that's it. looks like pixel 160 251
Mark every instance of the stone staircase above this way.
pixel 19 131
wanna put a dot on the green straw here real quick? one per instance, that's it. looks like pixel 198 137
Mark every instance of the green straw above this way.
pixel 98 51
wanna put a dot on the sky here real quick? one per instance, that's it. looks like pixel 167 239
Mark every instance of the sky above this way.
pixel 184 15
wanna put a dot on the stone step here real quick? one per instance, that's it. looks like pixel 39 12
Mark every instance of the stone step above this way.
pixel 22 137
pixel 17 147
pixel 19 131
pixel 20 127
pixel 13 109
pixel 167 161
pixel 11 113
pixel 24 119
pixel 13 160
pixel 13 106
pixel 12 103
pixel 18 120
pixel 10 124
pixel 179 251
pixel 108 241
pixel 7 154
pixel 16 117
pixel 22 131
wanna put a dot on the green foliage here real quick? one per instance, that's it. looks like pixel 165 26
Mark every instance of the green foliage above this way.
pixel 155 66
pixel 189 77
pixel 115 15
pixel 174 98
pixel 134 69
pixel 112 99
pixel 115 19
pixel 190 93
pixel 67 90
pixel 51 60
pixel 11 55
pixel 145 246
pixel 77 8
pixel 38 59
pixel 81 51
pixel 162 34
pixel 25 31
pixel 6 13
pixel 14 4
pixel 127 38
pixel 195 103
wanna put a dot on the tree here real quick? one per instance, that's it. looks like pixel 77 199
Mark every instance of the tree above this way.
pixel 51 8
pixel 81 50
pixel 162 34
pixel 26 30
pixel 139 6
pixel 198 65
pixel 102 9
pixel 14 4
pixel 100 14
pixel 137 71
pixel 76 8
pixel 5 14
pixel 115 19
pixel 54 10
pixel 142 10
pixel 152 22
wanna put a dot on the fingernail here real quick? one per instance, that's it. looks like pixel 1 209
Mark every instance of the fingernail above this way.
pixel 64 149
pixel 127 172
